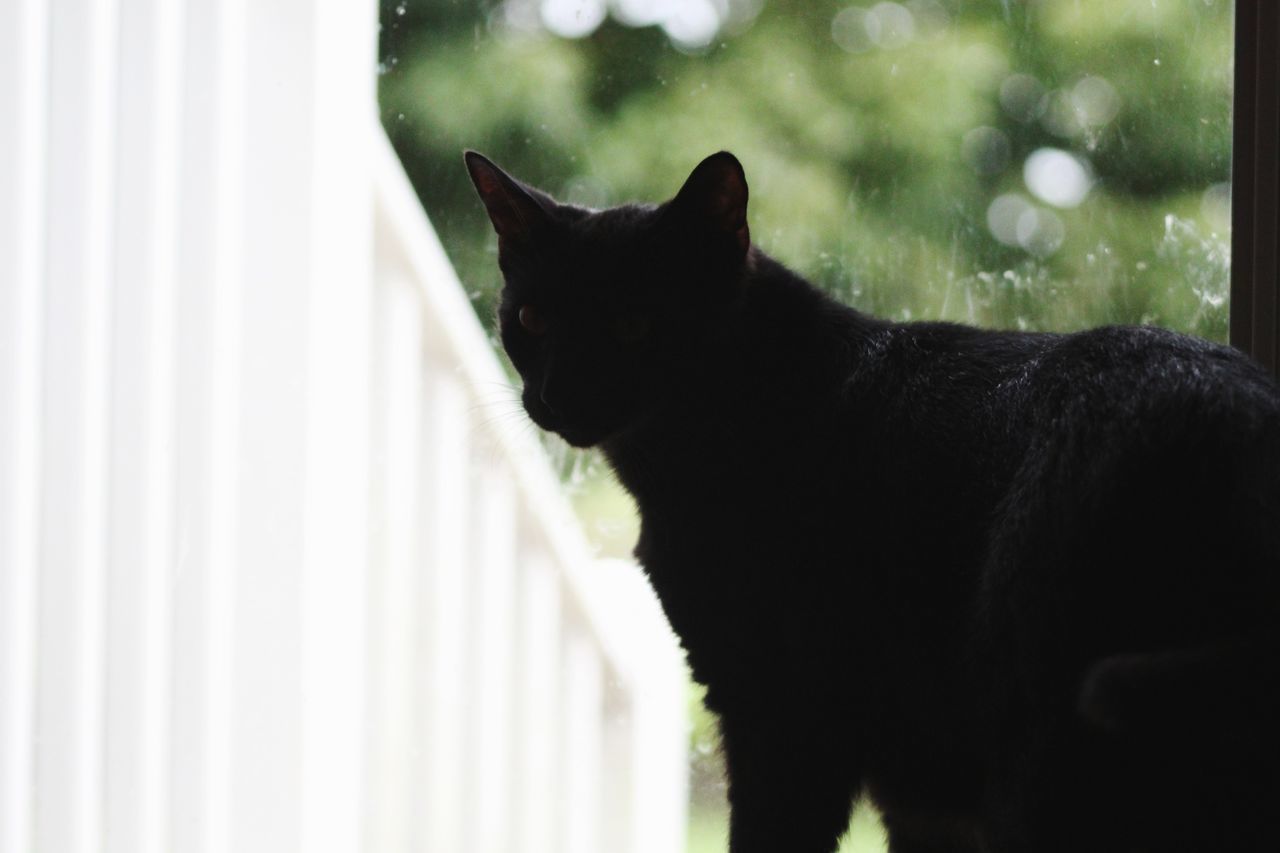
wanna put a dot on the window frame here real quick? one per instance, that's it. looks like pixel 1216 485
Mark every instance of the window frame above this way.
pixel 1255 183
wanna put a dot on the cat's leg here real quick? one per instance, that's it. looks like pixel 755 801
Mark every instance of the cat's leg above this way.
pixel 908 835
pixel 1041 797
pixel 1068 786
pixel 1062 787
pixel 792 782
pixel 911 844
pixel 1160 811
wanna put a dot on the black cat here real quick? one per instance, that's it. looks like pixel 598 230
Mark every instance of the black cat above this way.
pixel 1020 590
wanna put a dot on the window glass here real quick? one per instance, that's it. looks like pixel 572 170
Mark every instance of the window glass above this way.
pixel 1033 164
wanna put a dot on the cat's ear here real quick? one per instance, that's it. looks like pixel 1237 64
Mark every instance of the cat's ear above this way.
pixel 516 211
pixel 715 197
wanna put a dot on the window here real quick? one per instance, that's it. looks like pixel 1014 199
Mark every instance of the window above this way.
pixel 1036 164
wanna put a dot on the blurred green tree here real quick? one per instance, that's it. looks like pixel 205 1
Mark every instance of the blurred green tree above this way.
pixel 890 147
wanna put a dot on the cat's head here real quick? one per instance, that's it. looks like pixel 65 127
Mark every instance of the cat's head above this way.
pixel 610 315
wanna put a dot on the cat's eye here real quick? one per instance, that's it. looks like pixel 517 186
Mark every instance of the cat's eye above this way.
pixel 532 320
pixel 631 328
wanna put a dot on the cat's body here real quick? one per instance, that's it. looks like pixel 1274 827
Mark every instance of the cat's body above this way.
pixel 1022 590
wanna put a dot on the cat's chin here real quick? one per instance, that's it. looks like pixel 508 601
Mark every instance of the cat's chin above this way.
pixel 576 436
pixel 580 438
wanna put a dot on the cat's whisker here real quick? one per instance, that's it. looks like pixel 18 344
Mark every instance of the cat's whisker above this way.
pixel 487 406
pixel 501 419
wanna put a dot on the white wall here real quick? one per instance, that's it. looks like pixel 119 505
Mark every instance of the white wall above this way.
pixel 268 581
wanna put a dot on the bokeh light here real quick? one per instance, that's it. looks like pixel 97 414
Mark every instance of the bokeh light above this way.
pixel 1022 97
pixel 1016 221
pixel 849 30
pixel 1057 177
pixel 691 23
pixel 573 18
pixel 986 150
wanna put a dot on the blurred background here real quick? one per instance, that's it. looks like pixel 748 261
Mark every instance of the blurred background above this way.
pixel 1030 164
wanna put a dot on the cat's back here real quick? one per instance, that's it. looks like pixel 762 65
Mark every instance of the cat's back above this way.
pixel 1136 368
pixel 1014 390
pixel 1145 503
pixel 1156 443
pixel 1124 402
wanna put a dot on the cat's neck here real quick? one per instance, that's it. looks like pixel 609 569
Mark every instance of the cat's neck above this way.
pixel 786 348
pixel 792 330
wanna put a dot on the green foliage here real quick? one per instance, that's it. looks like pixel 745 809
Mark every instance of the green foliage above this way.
pixel 857 159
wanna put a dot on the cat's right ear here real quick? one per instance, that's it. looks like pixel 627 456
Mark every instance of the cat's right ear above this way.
pixel 715 197
pixel 514 211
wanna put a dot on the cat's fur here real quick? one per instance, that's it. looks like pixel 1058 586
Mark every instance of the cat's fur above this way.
pixel 1021 590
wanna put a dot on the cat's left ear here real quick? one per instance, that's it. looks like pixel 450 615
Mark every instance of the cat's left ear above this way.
pixel 516 211
pixel 715 196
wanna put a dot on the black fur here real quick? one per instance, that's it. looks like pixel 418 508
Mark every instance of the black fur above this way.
pixel 1020 589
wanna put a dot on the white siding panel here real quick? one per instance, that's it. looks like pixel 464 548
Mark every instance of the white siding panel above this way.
pixel 142 437
pixel 582 744
pixel 494 574
pixel 70 678
pixel 208 366
pixel 537 779
pixel 23 63
pixel 337 484
pixel 442 697
pixel 396 563
pixel 337 487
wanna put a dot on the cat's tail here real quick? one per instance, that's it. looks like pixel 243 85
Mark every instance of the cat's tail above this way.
pixel 1223 698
